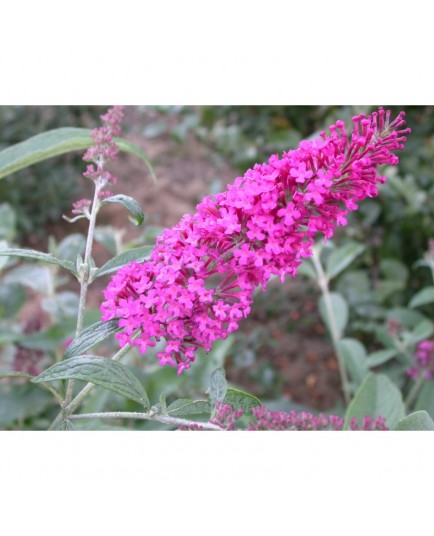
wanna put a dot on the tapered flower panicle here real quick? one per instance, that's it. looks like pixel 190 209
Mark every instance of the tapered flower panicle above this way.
pixel 202 274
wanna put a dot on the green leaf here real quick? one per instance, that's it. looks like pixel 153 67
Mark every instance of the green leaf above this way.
pixel 376 397
pixel 62 305
pixel 35 276
pixel 342 257
pixel 424 296
pixel 22 401
pixel 101 371
pixel 218 386
pixel 8 220
pixel 38 256
pixel 130 204
pixel 340 310
pixel 53 143
pixel 422 331
pixel 425 400
pixel 354 356
pixel 381 356
pixel 135 254
pixel 241 400
pixel 184 407
pixel 12 298
pixel 307 269
pixel 91 336
pixel 106 236
pixel 418 421
pixel 394 270
pixel 130 147
pixel 71 246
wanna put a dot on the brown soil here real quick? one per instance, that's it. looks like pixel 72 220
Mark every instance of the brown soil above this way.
pixel 288 352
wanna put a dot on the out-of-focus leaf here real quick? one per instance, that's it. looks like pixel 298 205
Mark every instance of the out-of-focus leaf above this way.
pixel 381 356
pixel 419 421
pixel 12 298
pixel 70 247
pixel 8 221
pixel 376 397
pixel 425 400
pixel 422 331
pixel 423 297
pixel 218 386
pixel 340 311
pixel 21 401
pixel 62 305
pixel 342 257
pixel 34 276
pixel 354 356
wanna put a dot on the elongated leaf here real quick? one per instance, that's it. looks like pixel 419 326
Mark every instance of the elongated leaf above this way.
pixel 422 331
pixel 381 356
pixel 425 400
pixel 109 374
pixel 91 336
pixel 341 258
pixel 218 386
pixel 419 421
pixel 38 256
pixel 424 296
pixel 184 407
pixel 70 247
pixel 53 143
pixel 135 254
pixel 376 397
pixel 353 354
pixel 307 269
pixel 340 311
pixel 130 147
pixel 130 204
pixel 241 400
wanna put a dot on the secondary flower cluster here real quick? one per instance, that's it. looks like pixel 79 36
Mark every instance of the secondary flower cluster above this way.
pixel 423 361
pixel 202 274
pixel 264 419
pixel 102 151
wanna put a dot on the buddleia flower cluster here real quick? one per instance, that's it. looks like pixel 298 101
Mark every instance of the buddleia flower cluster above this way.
pixel 263 419
pixel 200 279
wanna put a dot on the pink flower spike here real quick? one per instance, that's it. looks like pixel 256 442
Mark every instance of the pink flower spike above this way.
pixel 201 276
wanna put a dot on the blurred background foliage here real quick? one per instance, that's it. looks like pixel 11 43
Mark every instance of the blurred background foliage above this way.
pixel 377 285
pixel 46 190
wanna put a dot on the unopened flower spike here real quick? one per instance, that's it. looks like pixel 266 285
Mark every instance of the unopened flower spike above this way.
pixel 200 280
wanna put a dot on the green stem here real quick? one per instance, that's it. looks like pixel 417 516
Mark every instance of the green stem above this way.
pixel 414 391
pixel 84 280
pixel 333 327
pixel 165 419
